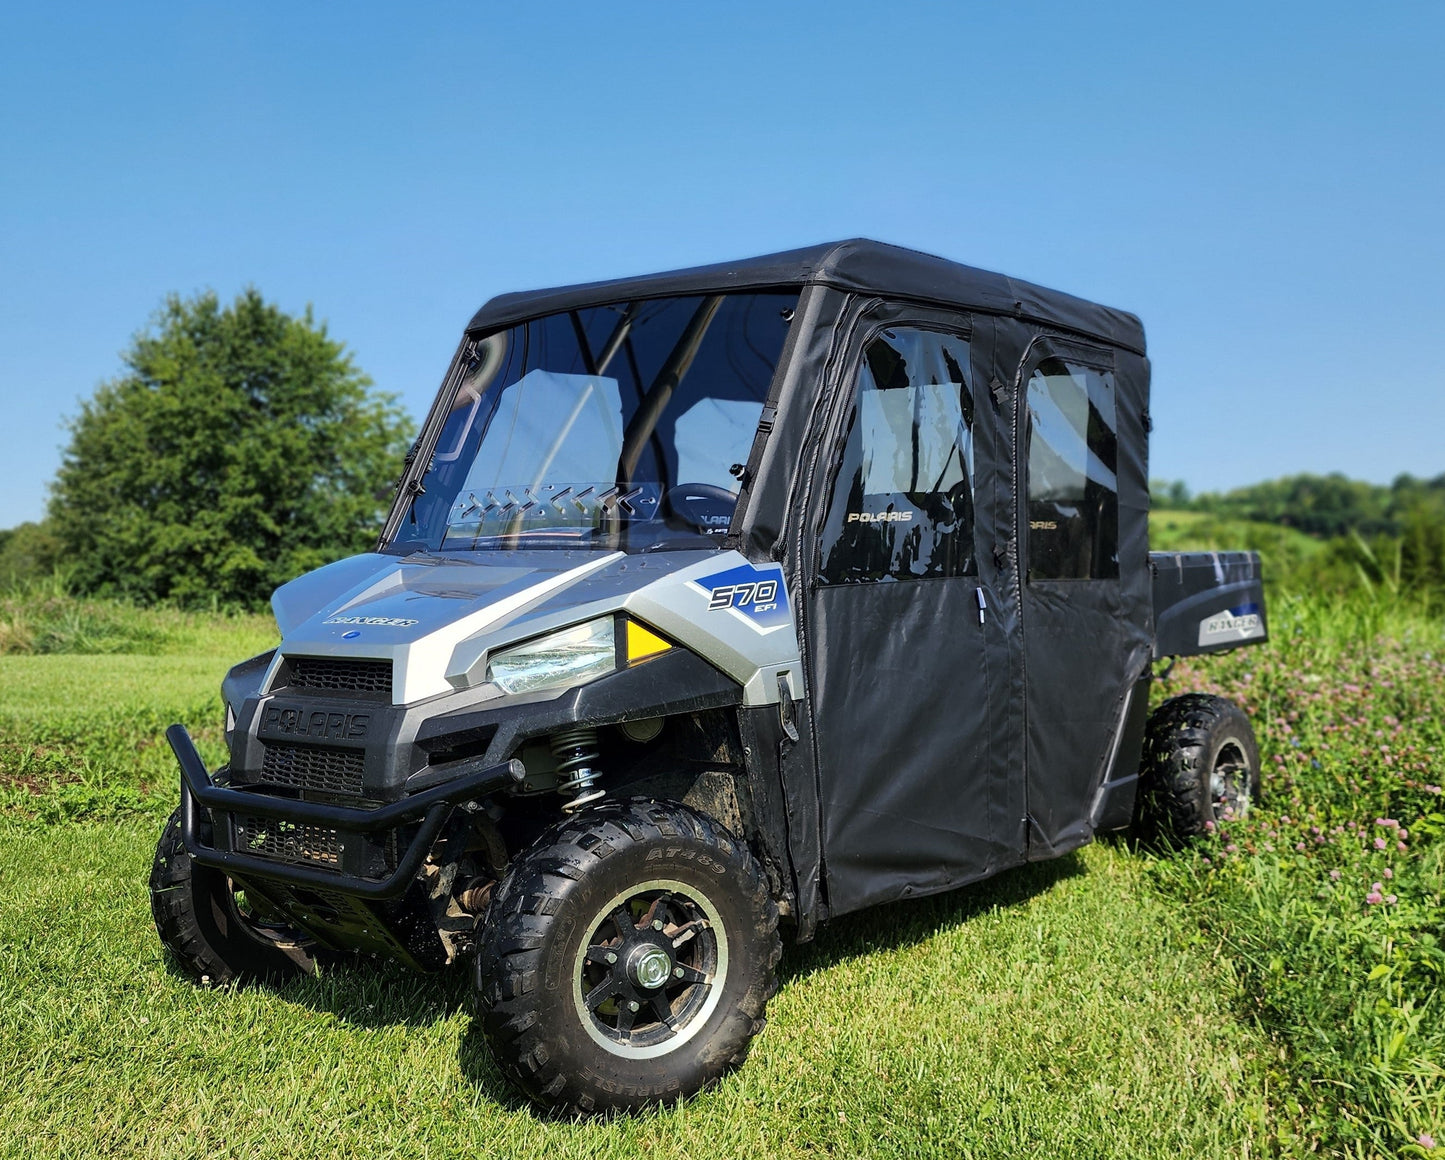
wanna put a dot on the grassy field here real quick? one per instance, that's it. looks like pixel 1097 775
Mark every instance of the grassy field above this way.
pixel 1227 1001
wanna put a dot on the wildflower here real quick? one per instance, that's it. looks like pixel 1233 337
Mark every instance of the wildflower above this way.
pixel 1300 846
pixel 1390 900
pixel 1374 898
pixel 1388 873
pixel 1231 849
pixel 1404 833
pixel 1425 1140
pixel 1401 847
pixel 1379 843
pixel 1334 875
pixel 1284 820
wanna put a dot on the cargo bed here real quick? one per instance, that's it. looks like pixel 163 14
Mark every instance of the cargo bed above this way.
pixel 1206 602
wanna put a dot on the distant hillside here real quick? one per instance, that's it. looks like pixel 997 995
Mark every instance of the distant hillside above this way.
pixel 1321 505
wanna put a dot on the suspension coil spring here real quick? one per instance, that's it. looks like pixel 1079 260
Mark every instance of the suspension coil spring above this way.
pixel 575 751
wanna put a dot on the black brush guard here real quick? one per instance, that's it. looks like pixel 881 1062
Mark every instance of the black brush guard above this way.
pixel 433 806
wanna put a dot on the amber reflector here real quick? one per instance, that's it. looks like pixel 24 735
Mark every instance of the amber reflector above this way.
pixel 642 644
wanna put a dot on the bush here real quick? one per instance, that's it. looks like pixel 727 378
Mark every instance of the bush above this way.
pixel 29 552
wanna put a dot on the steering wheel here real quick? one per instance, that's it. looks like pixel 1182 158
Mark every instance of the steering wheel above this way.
pixel 704 506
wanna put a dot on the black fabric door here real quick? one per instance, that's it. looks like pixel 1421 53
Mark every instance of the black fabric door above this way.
pixel 1085 613
pixel 907 647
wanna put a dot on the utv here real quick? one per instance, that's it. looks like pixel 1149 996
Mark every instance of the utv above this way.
pixel 709 600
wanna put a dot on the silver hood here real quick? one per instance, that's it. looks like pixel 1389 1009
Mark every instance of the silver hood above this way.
pixel 438 617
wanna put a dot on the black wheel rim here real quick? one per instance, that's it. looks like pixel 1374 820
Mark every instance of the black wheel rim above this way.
pixel 650 972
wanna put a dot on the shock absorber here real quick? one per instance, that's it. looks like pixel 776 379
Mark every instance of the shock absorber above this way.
pixel 575 751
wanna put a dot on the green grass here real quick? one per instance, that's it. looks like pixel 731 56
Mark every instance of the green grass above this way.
pixel 82 736
pixel 1213 1002
pixel 1060 1010
pixel 42 617
pixel 87 688
pixel 1329 897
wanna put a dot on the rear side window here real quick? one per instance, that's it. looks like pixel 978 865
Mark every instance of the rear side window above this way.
pixel 902 504
pixel 1073 457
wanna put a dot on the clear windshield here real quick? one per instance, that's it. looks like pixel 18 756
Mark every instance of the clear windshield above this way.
pixel 619 426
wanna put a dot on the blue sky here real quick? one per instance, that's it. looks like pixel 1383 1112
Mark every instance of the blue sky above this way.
pixel 1261 183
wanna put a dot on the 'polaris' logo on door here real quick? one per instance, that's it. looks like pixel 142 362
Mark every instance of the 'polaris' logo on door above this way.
pixel 1243 623
pixel 879 517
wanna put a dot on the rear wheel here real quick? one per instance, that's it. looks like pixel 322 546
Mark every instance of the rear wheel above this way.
pixel 215 932
pixel 626 959
pixel 1200 767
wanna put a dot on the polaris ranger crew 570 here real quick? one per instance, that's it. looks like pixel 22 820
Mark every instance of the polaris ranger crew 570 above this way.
pixel 756 592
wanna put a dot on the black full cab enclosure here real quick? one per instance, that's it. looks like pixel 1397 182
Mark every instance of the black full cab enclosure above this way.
pixel 981 703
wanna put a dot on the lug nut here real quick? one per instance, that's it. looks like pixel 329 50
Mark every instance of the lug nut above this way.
pixel 611 958
pixel 633 1006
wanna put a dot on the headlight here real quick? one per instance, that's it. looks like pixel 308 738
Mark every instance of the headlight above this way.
pixel 570 657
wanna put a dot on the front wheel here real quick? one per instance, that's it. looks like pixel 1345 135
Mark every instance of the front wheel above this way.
pixel 626 959
pixel 215 933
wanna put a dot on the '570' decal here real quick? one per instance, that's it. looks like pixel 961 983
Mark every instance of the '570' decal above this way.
pixel 762 596
pixel 756 594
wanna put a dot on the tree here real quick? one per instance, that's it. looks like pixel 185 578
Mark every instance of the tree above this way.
pixel 241 448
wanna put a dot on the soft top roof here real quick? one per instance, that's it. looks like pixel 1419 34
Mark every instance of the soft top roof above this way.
pixel 858 265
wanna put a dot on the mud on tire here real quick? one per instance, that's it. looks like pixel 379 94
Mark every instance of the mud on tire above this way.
pixel 204 925
pixel 626 959
pixel 1200 766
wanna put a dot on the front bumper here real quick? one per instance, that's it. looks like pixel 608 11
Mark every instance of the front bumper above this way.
pixel 432 806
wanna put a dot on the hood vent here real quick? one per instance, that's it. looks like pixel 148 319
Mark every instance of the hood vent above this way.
pixel 341 674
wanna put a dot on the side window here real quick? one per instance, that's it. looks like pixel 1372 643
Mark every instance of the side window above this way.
pixel 902 504
pixel 1073 490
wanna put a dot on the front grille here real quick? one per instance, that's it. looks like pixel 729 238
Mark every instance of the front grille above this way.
pixel 313 767
pixel 288 841
pixel 352 676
